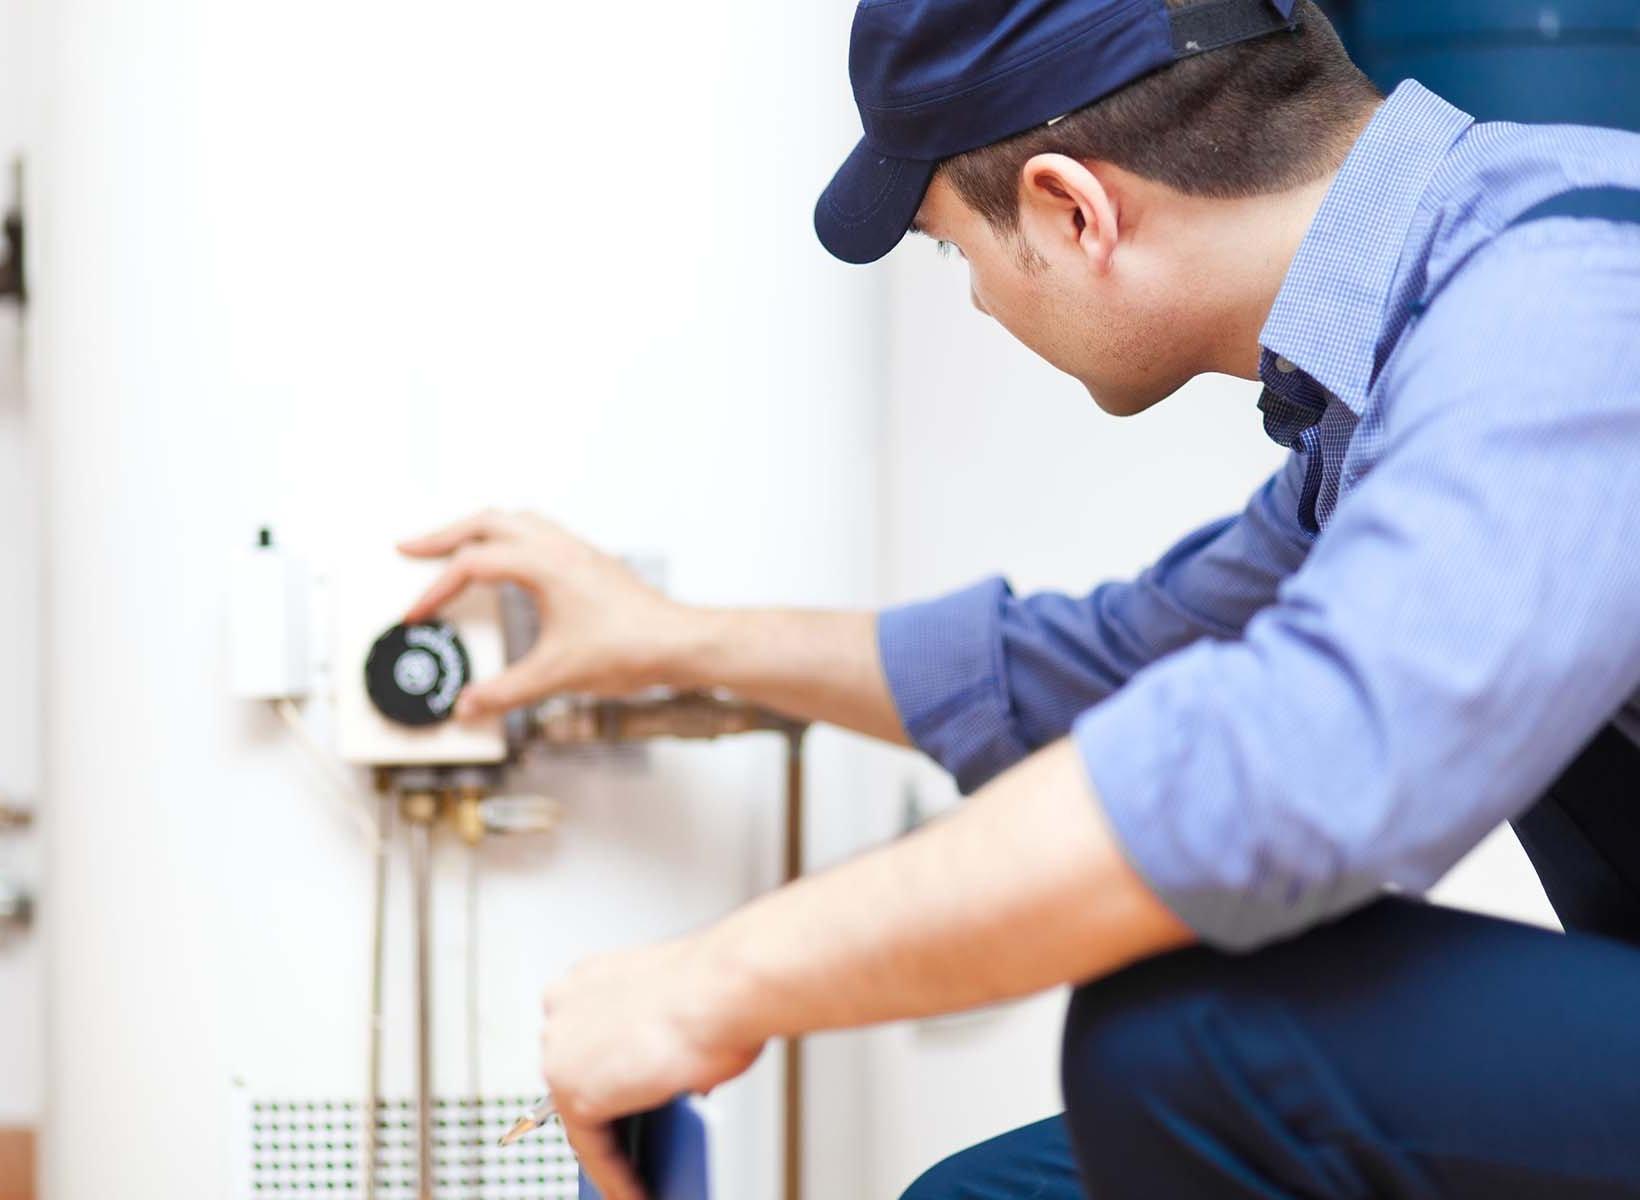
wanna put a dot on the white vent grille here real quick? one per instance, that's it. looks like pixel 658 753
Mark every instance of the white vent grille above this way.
pixel 314 1149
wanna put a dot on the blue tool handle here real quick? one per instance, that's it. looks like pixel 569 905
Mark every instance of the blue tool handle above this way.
pixel 668 1149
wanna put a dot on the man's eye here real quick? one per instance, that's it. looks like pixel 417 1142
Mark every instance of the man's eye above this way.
pixel 945 248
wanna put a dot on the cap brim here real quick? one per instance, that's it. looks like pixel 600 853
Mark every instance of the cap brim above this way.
pixel 870 203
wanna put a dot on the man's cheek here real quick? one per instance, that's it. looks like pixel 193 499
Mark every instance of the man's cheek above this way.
pixel 975 298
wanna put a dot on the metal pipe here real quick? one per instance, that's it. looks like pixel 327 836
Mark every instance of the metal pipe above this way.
pixel 477 1138
pixel 378 927
pixel 16 908
pixel 584 721
pixel 420 809
pixel 794 1046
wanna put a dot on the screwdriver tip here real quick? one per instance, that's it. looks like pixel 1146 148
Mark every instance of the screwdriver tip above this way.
pixel 520 1127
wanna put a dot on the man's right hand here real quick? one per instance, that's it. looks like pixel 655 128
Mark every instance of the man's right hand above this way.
pixel 604 631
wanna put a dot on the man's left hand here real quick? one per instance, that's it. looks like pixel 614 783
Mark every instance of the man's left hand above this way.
pixel 628 1032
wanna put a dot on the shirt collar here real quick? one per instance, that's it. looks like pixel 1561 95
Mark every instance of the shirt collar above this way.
pixel 1329 316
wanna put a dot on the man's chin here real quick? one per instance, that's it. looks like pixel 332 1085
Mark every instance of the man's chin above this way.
pixel 1118 402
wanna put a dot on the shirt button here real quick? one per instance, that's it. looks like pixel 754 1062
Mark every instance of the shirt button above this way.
pixel 1285 366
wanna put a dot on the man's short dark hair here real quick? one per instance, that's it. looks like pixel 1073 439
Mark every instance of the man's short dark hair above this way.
pixel 1252 119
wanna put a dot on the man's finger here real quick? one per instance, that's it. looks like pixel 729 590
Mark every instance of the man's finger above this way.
pixel 601 1158
pixel 486 526
pixel 475 564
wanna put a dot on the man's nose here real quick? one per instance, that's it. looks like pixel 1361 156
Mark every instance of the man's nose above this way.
pixel 979 304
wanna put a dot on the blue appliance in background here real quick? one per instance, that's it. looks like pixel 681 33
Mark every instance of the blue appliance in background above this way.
pixel 1560 61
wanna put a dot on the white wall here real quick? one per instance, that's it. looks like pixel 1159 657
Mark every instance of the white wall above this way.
pixel 19 582
pixel 998 463
pixel 351 267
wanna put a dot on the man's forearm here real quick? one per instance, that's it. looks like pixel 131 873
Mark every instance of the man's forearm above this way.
pixel 817 666
pixel 1021 889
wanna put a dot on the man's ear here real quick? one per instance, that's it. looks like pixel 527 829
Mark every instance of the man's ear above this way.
pixel 1062 202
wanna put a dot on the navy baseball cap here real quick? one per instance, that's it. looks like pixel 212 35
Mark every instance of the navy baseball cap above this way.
pixel 936 78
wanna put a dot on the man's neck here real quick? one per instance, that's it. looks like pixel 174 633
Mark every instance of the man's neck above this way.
pixel 1273 229
pixel 1248 247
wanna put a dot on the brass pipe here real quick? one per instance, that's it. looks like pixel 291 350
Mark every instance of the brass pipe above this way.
pixel 467 815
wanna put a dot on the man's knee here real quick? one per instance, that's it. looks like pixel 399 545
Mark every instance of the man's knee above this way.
pixel 943 1181
pixel 1127 1061
pixel 1034 1161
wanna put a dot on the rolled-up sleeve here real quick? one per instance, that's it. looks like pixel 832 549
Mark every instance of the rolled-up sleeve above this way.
pixel 1468 621
pixel 981 678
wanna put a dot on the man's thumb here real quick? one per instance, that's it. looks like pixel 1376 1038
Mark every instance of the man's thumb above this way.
pixel 511 689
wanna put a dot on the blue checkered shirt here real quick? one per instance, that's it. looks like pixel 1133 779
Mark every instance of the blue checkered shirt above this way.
pixel 1421 618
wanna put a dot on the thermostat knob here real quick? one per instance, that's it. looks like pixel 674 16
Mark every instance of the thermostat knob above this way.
pixel 415 672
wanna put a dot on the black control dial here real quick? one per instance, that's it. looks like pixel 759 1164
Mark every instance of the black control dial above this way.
pixel 415 672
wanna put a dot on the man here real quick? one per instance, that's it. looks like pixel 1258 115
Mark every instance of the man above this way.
pixel 1192 791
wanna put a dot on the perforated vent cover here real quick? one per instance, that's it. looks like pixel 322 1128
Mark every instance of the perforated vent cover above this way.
pixel 312 1149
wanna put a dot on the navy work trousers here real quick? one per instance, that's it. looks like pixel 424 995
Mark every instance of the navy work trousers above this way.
pixel 1405 1051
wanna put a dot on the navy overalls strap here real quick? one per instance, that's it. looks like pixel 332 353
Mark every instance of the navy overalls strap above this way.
pixel 1600 203
pixel 1583 835
pixel 1615 198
